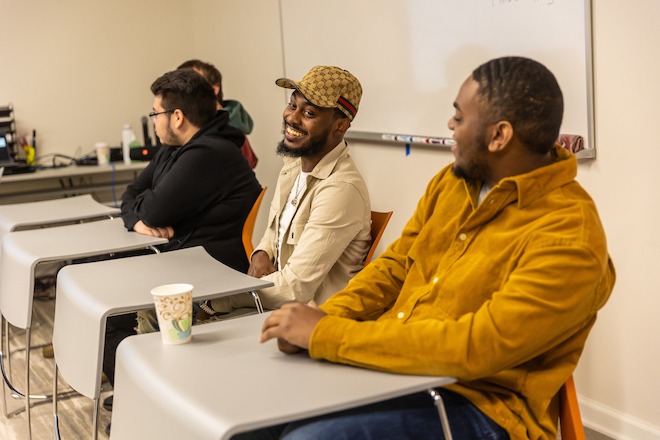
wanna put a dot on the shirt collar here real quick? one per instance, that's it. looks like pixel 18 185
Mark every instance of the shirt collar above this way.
pixel 533 185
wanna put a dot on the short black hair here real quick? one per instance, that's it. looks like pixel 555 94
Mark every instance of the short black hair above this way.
pixel 525 93
pixel 209 71
pixel 189 92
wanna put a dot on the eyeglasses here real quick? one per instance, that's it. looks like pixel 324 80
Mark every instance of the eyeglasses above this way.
pixel 153 115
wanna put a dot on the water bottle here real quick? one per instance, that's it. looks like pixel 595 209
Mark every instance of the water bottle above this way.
pixel 127 136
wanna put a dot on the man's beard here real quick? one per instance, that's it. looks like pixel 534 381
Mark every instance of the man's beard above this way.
pixel 476 168
pixel 313 147
pixel 171 140
pixel 476 171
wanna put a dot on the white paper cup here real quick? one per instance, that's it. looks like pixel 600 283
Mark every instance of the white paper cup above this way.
pixel 174 310
pixel 102 153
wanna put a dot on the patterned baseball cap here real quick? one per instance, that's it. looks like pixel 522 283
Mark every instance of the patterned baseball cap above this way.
pixel 328 87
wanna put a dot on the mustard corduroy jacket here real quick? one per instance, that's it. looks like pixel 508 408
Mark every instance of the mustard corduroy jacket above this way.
pixel 501 295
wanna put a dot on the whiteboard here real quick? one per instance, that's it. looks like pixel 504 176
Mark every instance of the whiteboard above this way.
pixel 411 56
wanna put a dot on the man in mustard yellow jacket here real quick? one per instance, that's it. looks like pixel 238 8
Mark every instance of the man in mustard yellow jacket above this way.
pixel 496 279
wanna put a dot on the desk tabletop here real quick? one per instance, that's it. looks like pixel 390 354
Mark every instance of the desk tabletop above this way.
pixel 225 382
pixel 23 250
pixel 88 293
pixel 31 214
pixel 74 170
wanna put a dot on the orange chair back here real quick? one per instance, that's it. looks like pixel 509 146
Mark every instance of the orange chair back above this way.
pixel 379 221
pixel 248 226
pixel 570 421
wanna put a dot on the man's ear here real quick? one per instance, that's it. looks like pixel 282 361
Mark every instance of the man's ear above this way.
pixel 501 135
pixel 342 124
pixel 178 118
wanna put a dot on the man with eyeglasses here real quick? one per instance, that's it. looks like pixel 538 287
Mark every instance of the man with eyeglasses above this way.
pixel 197 190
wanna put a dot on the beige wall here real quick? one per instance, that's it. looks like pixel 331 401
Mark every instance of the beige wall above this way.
pixel 77 77
pixel 76 71
pixel 619 369
pixel 242 39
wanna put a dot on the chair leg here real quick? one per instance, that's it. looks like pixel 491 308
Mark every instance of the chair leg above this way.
pixel 444 420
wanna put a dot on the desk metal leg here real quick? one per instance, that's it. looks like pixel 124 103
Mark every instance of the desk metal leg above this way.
pixel 95 420
pixel 4 345
pixel 4 339
pixel 444 420
pixel 28 413
pixel 56 420
pixel 56 423
pixel 257 302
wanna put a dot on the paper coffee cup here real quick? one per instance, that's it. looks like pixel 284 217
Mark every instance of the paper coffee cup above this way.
pixel 174 310
pixel 102 153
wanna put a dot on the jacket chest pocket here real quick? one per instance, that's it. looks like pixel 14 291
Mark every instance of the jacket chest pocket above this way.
pixel 294 233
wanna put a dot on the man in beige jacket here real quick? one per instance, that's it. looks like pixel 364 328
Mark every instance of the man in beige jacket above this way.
pixel 320 218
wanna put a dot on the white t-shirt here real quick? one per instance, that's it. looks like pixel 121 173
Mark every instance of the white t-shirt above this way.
pixel 484 191
pixel 297 191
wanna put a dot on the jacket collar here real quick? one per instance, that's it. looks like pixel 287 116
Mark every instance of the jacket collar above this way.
pixel 326 165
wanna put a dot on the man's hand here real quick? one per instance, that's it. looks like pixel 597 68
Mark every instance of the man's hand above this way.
pixel 292 325
pixel 141 228
pixel 260 265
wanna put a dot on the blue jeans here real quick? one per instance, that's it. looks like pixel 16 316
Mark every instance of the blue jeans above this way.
pixel 409 417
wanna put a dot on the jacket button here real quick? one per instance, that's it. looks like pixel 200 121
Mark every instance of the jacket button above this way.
pixel 462 237
pixel 400 315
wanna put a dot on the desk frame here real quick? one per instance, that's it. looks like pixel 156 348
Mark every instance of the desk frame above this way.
pixel 83 306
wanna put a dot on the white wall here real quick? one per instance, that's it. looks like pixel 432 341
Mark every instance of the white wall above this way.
pixel 618 373
pixel 66 77
pixel 76 70
pixel 242 39
pixel 617 378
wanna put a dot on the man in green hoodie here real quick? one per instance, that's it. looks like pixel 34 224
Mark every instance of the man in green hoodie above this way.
pixel 238 115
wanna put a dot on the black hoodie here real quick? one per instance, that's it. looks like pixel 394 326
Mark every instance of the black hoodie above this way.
pixel 203 189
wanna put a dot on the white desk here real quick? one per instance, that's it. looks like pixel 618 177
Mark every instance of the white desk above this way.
pixel 35 214
pixel 225 382
pixel 67 181
pixel 88 293
pixel 23 250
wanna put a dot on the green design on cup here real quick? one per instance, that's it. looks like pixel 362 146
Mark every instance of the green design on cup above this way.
pixel 182 328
